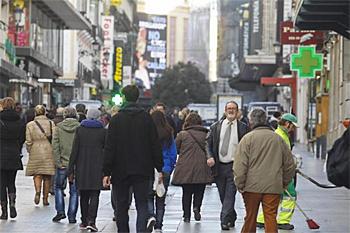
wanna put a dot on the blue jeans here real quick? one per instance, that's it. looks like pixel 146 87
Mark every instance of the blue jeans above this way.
pixel 160 201
pixel 60 178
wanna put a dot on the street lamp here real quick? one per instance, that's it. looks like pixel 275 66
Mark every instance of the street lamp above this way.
pixel 278 53
pixel 277 47
pixel 95 46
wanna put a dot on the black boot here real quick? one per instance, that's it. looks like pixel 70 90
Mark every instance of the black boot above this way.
pixel 197 213
pixel 13 212
pixel 4 210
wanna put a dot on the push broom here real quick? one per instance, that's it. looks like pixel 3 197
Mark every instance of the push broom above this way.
pixel 311 223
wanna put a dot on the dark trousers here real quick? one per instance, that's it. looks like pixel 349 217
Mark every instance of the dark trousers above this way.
pixel 89 205
pixel 139 185
pixel 160 202
pixel 270 206
pixel 197 190
pixel 7 179
pixel 227 191
pixel 114 200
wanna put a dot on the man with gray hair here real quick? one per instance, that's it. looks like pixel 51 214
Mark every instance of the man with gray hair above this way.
pixel 62 146
pixel 262 169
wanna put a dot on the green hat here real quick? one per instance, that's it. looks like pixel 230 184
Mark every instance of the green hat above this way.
pixel 290 117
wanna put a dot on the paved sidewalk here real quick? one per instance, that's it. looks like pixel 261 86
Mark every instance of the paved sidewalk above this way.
pixel 329 208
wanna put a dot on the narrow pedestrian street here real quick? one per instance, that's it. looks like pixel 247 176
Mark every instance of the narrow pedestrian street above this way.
pixel 328 207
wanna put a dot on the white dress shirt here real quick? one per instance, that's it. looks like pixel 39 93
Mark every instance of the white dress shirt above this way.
pixel 233 141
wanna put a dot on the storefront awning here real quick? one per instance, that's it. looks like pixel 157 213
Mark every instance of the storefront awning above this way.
pixel 11 71
pixel 327 15
pixel 63 11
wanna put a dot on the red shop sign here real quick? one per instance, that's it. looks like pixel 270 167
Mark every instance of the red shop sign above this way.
pixel 289 35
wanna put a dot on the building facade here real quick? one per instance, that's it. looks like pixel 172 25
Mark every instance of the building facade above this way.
pixel 329 92
pixel 9 72
pixel 36 30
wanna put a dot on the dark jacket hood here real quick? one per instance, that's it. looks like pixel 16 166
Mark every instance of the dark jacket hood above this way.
pixel 91 124
pixel 69 125
pixel 9 115
pixel 132 108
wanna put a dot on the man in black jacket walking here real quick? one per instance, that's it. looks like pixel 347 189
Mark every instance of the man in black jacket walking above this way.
pixel 222 141
pixel 132 152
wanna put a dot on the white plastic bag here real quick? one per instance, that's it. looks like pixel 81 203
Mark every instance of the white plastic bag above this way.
pixel 160 189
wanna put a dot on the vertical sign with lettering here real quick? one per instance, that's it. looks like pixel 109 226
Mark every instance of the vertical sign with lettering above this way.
pixel 118 63
pixel 255 9
pixel 107 50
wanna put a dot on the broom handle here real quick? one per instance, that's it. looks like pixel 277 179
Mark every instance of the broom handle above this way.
pixel 326 186
pixel 297 204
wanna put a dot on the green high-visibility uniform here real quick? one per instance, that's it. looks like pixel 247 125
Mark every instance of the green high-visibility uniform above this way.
pixel 287 205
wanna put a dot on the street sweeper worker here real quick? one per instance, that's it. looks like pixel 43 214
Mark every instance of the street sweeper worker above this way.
pixel 286 125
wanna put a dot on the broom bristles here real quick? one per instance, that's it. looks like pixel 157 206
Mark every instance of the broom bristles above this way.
pixel 312 224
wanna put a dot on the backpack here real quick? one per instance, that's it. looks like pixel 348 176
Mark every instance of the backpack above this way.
pixel 338 162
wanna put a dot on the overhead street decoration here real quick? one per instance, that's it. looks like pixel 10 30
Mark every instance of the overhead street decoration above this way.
pixel 306 62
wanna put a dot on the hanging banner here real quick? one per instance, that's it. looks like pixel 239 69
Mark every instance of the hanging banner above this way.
pixel 107 50
pixel 19 23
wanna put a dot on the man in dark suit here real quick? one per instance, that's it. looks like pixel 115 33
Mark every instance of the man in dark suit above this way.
pixel 222 141
pixel 132 152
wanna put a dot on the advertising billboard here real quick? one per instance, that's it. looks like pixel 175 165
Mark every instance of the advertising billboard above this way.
pixel 150 52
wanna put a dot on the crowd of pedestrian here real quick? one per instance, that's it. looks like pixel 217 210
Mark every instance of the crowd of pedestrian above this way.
pixel 133 151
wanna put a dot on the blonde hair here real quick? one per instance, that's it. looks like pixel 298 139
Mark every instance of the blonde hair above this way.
pixel 40 110
pixel 8 103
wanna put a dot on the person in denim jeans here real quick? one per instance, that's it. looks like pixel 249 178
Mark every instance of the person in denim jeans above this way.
pixel 62 146
pixel 60 179
pixel 165 133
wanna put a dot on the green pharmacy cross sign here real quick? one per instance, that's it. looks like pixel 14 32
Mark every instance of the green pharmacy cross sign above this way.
pixel 306 62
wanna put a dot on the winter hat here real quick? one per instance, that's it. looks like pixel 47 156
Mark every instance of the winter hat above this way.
pixel 93 114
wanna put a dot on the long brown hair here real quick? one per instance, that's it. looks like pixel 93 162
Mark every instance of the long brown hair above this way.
pixel 165 132
pixel 192 119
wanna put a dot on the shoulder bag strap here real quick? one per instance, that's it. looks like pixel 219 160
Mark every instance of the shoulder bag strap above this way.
pixel 195 139
pixel 50 128
pixel 41 128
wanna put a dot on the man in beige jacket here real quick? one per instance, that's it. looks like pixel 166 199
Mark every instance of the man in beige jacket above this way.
pixel 262 169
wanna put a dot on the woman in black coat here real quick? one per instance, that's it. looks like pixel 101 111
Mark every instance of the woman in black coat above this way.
pixel 86 163
pixel 12 136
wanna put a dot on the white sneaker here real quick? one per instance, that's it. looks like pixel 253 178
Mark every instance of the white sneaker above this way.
pixel 150 224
